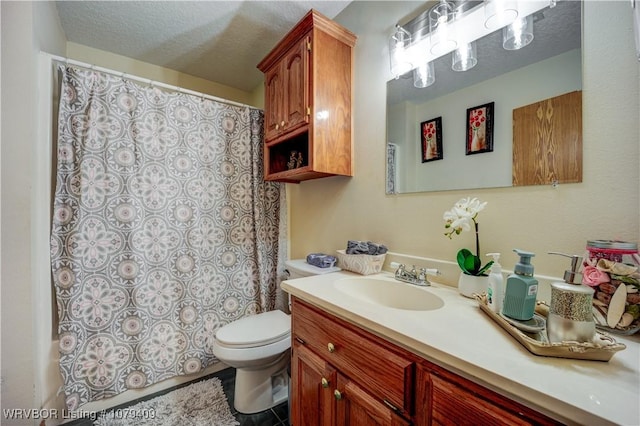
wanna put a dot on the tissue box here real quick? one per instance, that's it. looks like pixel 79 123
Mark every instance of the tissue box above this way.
pixel 364 264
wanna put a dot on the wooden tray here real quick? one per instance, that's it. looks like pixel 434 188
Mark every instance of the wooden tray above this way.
pixel 538 344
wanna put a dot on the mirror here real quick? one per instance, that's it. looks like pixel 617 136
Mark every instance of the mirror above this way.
pixel 550 66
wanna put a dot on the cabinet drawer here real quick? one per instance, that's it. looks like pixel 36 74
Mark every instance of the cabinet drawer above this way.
pixel 378 369
pixel 451 404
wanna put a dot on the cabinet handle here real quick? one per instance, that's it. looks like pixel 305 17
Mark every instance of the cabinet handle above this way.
pixel 325 383
pixel 282 123
pixel 390 405
pixel 337 395
pixel 331 347
pixel 277 127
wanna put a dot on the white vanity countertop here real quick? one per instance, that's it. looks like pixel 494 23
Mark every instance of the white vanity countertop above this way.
pixel 465 340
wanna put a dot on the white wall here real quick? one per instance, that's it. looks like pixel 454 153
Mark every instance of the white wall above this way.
pixel 156 73
pixel 26 307
pixel 30 372
pixel 325 213
pixel 542 80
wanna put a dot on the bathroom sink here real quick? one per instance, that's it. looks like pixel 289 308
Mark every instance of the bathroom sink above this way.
pixel 390 294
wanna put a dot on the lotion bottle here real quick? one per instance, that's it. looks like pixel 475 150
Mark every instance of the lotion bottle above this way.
pixel 521 290
pixel 496 282
pixel 570 314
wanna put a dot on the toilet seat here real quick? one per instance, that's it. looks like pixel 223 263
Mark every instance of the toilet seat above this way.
pixel 256 330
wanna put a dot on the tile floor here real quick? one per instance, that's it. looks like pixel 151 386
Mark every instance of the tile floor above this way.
pixel 277 416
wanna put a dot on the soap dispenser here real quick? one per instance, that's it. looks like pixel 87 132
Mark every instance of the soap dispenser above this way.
pixel 521 290
pixel 494 291
pixel 571 313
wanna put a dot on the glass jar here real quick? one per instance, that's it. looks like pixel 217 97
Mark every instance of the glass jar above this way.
pixel 616 251
pixel 615 309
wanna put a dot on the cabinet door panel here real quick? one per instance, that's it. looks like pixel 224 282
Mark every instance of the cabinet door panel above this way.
pixel 443 398
pixel 357 408
pixel 296 75
pixel 274 102
pixel 312 381
pixel 451 404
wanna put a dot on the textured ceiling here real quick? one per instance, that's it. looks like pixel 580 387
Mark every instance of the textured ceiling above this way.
pixel 221 41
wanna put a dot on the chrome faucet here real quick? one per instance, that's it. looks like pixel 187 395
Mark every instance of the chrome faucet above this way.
pixel 415 277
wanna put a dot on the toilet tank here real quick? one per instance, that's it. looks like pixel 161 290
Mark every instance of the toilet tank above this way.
pixel 299 268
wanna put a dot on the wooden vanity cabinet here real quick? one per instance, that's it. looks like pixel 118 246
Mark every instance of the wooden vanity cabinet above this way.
pixel 340 376
pixel 308 96
pixel 344 375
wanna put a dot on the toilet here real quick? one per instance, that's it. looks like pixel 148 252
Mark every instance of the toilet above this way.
pixel 259 348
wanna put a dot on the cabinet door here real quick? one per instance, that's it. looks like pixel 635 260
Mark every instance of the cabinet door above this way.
pixel 355 407
pixel 312 381
pixel 296 73
pixel 287 92
pixel 446 399
pixel 273 101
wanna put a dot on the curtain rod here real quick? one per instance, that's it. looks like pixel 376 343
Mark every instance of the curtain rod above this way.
pixel 68 61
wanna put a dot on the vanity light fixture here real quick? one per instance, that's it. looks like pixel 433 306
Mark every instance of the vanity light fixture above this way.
pixel 398 52
pixel 441 32
pixel 518 34
pixel 454 27
pixel 424 75
pixel 499 13
pixel 464 57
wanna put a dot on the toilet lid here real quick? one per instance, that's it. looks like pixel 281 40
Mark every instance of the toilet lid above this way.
pixel 255 330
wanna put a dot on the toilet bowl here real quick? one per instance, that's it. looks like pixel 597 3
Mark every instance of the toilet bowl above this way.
pixel 258 347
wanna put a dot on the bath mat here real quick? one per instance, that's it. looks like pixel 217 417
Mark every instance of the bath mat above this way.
pixel 199 404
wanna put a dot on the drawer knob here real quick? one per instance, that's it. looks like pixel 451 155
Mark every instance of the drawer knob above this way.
pixel 277 127
pixel 331 347
pixel 337 395
pixel 325 383
pixel 282 123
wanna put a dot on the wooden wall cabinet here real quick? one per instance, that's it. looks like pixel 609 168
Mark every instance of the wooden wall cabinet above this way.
pixel 308 97
pixel 344 375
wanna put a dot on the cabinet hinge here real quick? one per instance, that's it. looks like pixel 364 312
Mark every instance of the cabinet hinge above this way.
pixel 309 45
pixel 308 110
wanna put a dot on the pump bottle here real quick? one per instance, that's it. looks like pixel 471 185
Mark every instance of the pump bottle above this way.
pixel 494 291
pixel 570 314
pixel 521 290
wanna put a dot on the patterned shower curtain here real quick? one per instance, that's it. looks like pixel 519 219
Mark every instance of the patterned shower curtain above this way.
pixel 163 231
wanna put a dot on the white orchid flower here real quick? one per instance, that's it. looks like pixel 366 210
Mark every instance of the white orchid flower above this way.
pixel 460 218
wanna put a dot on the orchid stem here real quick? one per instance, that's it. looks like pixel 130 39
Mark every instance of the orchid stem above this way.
pixel 477 240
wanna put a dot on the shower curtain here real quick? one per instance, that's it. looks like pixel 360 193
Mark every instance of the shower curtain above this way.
pixel 163 231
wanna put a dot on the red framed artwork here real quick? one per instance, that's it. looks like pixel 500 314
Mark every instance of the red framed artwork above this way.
pixel 431 139
pixel 480 129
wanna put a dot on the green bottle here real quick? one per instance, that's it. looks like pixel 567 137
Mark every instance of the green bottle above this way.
pixel 521 289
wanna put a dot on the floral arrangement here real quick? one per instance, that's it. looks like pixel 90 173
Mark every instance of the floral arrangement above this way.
pixel 477 119
pixel 460 218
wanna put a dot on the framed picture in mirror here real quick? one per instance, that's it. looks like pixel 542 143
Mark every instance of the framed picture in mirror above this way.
pixel 480 129
pixel 431 139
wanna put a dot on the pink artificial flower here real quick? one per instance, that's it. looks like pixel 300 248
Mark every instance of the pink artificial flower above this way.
pixel 593 276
